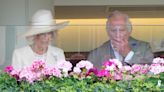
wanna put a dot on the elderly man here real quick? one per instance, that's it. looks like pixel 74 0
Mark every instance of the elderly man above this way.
pixel 121 46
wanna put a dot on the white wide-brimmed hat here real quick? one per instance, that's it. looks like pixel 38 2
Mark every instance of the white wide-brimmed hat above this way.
pixel 43 22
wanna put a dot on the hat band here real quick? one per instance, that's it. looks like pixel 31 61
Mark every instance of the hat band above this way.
pixel 43 24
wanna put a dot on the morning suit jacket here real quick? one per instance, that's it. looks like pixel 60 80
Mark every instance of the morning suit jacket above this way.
pixel 142 53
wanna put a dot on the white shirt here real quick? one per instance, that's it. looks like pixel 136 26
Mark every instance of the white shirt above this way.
pixel 120 58
pixel 24 57
pixel 40 57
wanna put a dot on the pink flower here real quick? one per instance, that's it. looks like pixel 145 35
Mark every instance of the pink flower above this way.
pixel 15 74
pixel 77 70
pixel 27 74
pixel 8 69
pixel 64 65
pixel 158 60
pixel 103 73
pixel 52 71
pixel 110 68
pixel 55 72
pixel 145 69
pixel 112 63
pixel 38 65
pixel 46 71
pixel 92 70
pixel 118 76
pixel 85 64
pixel 117 62
pixel 136 68
pixel 156 68
pixel 108 63
pixel 127 68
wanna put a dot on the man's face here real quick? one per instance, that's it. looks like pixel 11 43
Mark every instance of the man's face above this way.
pixel 118 29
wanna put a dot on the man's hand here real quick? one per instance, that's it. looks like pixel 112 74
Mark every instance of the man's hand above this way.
pixel 121 45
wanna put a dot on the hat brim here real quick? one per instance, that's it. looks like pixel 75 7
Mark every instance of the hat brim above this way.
pixel 49 28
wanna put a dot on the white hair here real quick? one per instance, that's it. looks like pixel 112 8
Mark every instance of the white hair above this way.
pixel 117 13
pixel 30 39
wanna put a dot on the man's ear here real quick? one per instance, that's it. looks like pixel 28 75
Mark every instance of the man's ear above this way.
pixel 129 33
pixel 107 27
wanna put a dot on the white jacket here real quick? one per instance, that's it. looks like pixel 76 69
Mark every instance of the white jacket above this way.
pixel 24 57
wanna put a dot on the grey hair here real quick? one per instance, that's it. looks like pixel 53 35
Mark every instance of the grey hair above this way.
pixel 118 13
pixel 30 39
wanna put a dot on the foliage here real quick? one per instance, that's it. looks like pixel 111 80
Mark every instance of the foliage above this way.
pixel 113 77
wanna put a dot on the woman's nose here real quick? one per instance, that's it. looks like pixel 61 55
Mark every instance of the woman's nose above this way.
pixel 47 36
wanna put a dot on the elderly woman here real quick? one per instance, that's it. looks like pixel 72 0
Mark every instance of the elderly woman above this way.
pixel 41 32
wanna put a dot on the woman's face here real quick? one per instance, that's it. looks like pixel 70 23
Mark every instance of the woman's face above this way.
pixel 43 39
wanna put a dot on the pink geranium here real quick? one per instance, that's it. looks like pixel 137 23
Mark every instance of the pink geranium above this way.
pixel 85 64
pixel 27 74
pixel 8 69
pixel 77 70
pixel 65 66
pixel 145 69
pixel 118 63
pixel 92 70
pixel 111 64
pixel 112 69
pixel 156 68
pixel 118 76
pixel 136 68
pixel 15 73
pixel 46 71
pixel 54 71
pixel 103 73
pixel 158 60
pixel 38 65
pixel 108 63
pixel 127 68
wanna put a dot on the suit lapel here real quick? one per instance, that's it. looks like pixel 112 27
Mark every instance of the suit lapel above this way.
pixel 111 51
pixel 107 52
pixel 133 44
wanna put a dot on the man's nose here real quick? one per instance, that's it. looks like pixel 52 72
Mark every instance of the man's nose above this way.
pixel 117 34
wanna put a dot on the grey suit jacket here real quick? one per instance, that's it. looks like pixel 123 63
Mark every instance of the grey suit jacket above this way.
pixel 142 53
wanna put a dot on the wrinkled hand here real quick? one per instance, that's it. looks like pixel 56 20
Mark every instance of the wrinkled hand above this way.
pixel 121 45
